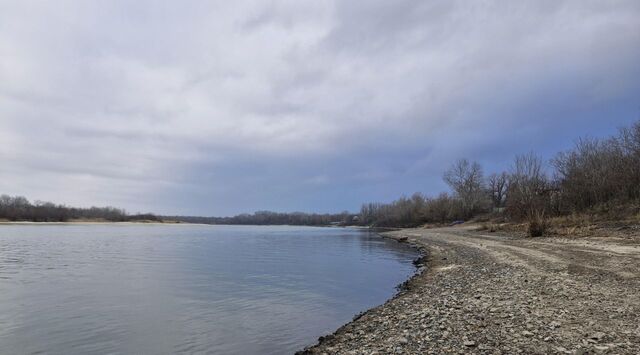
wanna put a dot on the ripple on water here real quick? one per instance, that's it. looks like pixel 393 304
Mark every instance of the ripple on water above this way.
pixel 94 289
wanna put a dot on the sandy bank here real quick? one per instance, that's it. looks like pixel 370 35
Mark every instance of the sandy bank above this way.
pixel 489 294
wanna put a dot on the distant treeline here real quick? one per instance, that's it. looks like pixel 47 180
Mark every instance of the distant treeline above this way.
pixel 18 208
pixel 273 218
pixel 596 174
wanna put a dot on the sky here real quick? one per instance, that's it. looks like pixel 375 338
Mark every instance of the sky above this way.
pixel 222 107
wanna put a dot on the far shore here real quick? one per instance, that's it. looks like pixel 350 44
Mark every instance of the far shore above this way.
pixel 94 222
pixel 82 222
pixel 491 293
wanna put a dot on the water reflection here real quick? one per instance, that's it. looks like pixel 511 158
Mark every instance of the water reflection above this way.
pixel 78 289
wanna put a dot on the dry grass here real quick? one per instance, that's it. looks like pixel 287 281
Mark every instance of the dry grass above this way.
pixel 495 226
pixel 603 222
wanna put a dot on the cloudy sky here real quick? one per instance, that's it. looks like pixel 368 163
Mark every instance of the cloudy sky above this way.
pixel 221 107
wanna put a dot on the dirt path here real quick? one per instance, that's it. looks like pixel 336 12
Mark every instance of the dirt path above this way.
pixel 484 293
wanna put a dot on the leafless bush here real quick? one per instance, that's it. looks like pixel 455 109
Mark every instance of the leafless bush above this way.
pixel 599 171
pixel 413 211
pixel 538 224
pixel 529 192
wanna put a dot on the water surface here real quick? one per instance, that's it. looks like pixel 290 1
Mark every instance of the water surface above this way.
pixel 166 289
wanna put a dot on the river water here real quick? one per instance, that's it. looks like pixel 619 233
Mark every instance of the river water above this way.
pixel 188 289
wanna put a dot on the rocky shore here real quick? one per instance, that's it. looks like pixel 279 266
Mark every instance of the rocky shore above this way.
pixel 489 294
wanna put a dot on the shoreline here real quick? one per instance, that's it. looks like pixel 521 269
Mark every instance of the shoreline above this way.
pixel 423 263
pixel 489 293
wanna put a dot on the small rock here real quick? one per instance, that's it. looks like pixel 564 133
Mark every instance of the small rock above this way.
pixel 597 336
pixel 469 343
pixel 527 333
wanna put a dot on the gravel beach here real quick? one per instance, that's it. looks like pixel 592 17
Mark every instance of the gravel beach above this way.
pixel 485 293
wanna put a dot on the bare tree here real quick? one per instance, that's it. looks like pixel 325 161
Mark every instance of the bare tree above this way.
pixel 18 208
pixel 596 172
pixel 466 180
pixel 528 192
pixel 498 186
pixel 629 141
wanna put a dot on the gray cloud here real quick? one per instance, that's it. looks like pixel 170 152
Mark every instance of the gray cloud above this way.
pixel 207 107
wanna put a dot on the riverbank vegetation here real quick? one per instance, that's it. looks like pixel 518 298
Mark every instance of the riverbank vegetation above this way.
pixel 596 177
pixel 18 208
pixel 273 218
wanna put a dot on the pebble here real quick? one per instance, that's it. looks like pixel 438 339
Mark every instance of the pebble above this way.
pixel 504 307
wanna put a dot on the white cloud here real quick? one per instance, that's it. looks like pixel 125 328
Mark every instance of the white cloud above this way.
pixel 121 102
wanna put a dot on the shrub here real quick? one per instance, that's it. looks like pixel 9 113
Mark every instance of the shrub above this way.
pixel 538 224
